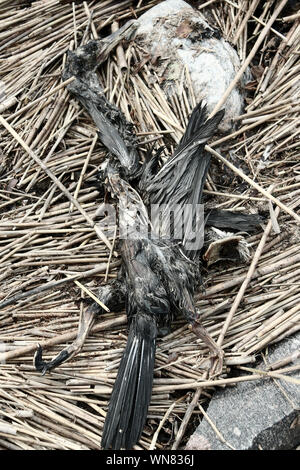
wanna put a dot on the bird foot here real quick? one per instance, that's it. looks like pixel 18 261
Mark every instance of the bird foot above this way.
pixel 85 324
pixel 43 366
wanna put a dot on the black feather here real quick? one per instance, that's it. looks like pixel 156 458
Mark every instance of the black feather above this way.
pixel 158 275
pixel 160 279
pixel 235 221
pixel 178 186
pixel 132 391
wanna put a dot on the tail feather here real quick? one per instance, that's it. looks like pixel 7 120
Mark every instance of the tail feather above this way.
pixel 132 391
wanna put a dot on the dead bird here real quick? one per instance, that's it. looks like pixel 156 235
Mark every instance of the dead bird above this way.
pixel 160 275
pixel 161 268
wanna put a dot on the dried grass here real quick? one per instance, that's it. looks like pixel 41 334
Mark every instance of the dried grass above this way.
pixel 49 240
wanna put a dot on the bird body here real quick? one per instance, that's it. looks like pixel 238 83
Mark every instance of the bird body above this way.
pixel 161 265
pixel 160 274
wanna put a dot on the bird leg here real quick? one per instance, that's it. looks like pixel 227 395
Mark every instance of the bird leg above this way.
pixel 192 316
pixel 85 324
pixel 217 354
pixel 112 296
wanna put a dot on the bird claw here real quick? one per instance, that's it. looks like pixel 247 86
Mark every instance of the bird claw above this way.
pixel 42 366
pixel 38 362
pixel 85 324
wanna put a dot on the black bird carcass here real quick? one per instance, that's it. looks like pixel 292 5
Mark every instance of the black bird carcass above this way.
pixel 161 262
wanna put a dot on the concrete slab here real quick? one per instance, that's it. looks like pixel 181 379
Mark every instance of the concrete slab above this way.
pixel 255 415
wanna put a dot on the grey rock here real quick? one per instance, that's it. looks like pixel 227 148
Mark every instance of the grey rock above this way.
pixel 260 414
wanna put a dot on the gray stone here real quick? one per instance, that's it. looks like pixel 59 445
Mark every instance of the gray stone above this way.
pixel 260 414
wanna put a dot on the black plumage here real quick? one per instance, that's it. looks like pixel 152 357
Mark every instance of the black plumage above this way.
pixel 160 274
pixel 160 269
